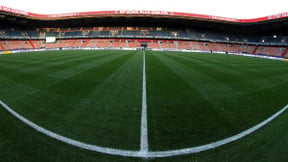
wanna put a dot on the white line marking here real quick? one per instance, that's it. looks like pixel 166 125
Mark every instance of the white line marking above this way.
pixel 68 140
pixel 216 144
pixel 141 154
pixel 144 130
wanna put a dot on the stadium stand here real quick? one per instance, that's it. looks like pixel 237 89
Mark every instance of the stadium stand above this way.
pixel 4 45
pixel 272 40
pixel 85 43
pixel 126 37
pixel 38 44
pixel 157 33
pixel 51 34
pixel 1 46
pixel 173 45
pixel 33 34
pixel 18 44
pixel 92 43
pixel 200 46
pixel 164 45
pixel 163 33
pixel 246 48
pixel 285 53
pixel 118 43
pixel 132 33
pixel 73 34
pixel 14 33
pixel 51 45
pixel 184 45
pixel 155 45
pixel 134 44
pixel 103 43
pixel 275 51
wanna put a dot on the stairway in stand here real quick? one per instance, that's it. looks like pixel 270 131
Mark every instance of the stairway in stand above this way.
pixel 285 52
pixel 31 43
pixel 254 51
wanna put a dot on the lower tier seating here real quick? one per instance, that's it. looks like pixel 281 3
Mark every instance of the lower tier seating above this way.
pixel 156 44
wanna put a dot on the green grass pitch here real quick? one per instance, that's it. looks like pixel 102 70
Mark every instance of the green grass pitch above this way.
pixel 96 97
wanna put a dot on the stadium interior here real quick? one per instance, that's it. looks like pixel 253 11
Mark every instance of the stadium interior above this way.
pixel 79 80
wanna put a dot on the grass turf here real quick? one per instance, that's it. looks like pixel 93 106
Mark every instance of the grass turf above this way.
pixel 192 99
pixel 82 97
pixel 197 99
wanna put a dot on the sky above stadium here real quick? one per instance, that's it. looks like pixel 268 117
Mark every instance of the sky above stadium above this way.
pixel 243 9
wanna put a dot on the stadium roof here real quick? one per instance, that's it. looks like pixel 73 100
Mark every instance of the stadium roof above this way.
pixel 244 9
pixel 170 17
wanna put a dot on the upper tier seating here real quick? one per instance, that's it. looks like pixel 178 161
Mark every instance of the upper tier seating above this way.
pixel 132 33
pixel 272 40
pixel 138 32
pixel 73 34
pixel 51 34
pixel 14 33
pixel 33 34
pixel 99 33
pixel 157 34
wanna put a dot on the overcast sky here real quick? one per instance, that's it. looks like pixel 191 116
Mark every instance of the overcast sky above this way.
pixel 226 8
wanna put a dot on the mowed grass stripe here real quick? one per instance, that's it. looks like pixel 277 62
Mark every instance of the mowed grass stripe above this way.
pixel 87 80
pixel 37 59
pixel 220 95
pixel 244 80
pixel 171 112
pixel 187 111
pixel 230 62
pixel 56 105
pixel 227 105
pixel 48 55
pixel 236 76
pixel 29 83
pixel 22 59
pixel 45 65
pixel 35 82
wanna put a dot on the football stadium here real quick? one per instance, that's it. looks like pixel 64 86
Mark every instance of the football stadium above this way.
pixel 142 85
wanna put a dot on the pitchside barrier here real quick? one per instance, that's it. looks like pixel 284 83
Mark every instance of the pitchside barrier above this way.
pixel 164 49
